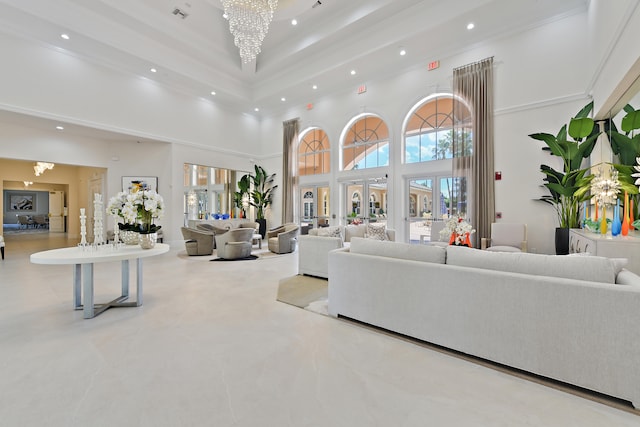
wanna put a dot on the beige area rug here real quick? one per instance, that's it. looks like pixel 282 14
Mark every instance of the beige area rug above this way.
pixel 305 292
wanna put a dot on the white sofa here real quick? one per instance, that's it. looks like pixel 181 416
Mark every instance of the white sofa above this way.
pixel 572 319
pixel 314 247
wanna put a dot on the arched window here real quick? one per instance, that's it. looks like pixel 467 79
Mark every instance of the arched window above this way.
pixel 365 143
pixel 313 152
pixel 429 130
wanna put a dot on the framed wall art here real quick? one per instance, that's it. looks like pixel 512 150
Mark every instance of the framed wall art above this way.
pixel 22 202
pixel 130 183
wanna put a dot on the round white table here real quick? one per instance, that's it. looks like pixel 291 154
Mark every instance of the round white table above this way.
pixel 83 259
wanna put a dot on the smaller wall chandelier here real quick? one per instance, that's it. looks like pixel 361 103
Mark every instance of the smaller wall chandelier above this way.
pixel 40 167
pixel 249 22
pixel 605 187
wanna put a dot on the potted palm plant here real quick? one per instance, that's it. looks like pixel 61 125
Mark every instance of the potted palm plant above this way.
pixel 260 194
pixel 567 185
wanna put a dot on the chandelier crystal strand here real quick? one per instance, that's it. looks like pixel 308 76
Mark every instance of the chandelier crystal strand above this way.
pixel 249 22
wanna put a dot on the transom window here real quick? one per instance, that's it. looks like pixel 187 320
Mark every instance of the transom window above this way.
pixel 429 131
pixel 314 153
pixel 366 144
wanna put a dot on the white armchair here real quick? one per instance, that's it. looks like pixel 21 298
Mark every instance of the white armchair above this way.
pixel 2 246
pixel 506 237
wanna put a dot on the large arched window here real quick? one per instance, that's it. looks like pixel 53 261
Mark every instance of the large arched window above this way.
pixel 313 152
pixel 429 130
pixel 365 143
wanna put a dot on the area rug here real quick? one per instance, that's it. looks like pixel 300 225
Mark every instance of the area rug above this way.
pixel 249 258
pixel 305 292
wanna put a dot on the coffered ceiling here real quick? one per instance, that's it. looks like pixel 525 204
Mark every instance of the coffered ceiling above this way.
pixel 193 51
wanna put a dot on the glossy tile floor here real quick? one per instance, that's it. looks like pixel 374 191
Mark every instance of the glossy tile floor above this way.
pixel 212 347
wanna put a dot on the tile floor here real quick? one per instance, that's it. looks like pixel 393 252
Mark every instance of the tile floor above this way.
pixel 212 347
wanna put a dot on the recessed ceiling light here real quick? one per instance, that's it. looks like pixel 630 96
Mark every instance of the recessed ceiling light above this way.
pixel 353 72
pixel 225 16
pixel 403 52
pixel 153 70
pixel 65 36
pixel 294 21
pixel 283 99
pixel 314 87
pixel 256 109
pixel 60 127
pixel 470 26
pixel 213 92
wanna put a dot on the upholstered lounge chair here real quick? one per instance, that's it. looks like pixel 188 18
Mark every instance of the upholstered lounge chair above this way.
pixel 210 228
pixel 197 242
pixel 235 243
pixel 2 246
pixel 506 237
pixel 283 239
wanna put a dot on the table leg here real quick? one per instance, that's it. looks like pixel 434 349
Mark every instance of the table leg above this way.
pixel 77 287
pixel 125 278
pixel 139 281
pixel 87 285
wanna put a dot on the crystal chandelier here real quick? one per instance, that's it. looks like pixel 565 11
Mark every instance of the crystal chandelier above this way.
pixel 40 167
pixel 249 22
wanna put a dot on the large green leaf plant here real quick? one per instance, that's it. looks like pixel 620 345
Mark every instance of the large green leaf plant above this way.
pixel 626 145
pixel 261 192
pixel 568 187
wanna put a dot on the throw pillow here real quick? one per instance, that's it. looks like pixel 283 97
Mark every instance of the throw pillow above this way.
pixel 330 231
pixel 377 231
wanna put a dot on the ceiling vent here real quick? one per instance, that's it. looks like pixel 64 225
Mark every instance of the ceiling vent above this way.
pixel 179 12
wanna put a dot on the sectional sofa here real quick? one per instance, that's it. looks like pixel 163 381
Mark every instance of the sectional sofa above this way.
pixel 314 247
pixel 572 319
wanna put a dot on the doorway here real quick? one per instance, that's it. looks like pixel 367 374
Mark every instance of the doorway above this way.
pixel 366 201
pixel 315 206
pixel 428 205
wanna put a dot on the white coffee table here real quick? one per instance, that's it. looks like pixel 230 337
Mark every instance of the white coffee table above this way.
pixel 83 260
pixel 257 238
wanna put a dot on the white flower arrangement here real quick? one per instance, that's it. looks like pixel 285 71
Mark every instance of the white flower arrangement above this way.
pixel 139 207
pixel 637 174
pixel 459 228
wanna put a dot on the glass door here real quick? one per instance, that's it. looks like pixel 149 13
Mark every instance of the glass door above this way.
pixel 428 207
pixel 366 201
pixel 315 206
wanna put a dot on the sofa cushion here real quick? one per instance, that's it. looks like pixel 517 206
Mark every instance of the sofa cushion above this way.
pixel 376 231
pixel 390 249
pixel 593 269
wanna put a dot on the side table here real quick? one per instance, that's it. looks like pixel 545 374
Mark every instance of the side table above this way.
pixel 581 241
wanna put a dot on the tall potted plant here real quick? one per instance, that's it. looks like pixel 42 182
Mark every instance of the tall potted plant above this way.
pixel 566 186
pixel 261 194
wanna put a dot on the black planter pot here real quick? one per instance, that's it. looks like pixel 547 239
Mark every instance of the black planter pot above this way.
pixel 262 227
pixel 562 241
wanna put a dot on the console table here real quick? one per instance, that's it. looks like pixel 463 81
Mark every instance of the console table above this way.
pixel 83 260
pixel 581 241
